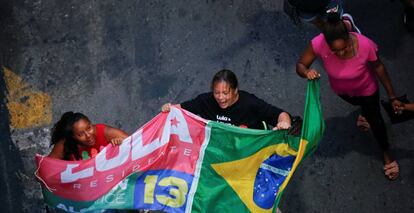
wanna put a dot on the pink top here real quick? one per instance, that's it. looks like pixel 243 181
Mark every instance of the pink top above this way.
pixel 352 76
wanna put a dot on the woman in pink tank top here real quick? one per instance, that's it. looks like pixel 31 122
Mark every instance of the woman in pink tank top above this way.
pixel 352 66
pixel 74 137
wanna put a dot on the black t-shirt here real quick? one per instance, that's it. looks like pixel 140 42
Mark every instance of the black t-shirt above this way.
pixel 248 111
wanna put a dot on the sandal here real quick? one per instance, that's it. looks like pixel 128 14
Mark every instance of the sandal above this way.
pixel 362 123
pixel 392 170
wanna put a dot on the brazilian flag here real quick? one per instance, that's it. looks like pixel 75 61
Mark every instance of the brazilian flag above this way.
pixel 179 162
pixel 245 170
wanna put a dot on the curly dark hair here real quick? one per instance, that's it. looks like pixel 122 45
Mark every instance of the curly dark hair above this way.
pixel 63 130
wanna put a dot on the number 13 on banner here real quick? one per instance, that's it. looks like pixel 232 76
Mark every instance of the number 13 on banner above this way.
pixel 163 189
pixel 178 190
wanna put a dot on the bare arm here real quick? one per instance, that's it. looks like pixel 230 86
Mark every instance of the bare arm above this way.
pixel 385 80
pixel 303 65
pixel 409 107
pixel 115 136
pixel 58 150
pixel 383 76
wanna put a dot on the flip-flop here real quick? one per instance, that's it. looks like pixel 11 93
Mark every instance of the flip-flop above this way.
pixel 392 170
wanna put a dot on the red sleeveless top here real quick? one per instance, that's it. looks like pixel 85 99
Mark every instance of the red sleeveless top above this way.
pixel 100 143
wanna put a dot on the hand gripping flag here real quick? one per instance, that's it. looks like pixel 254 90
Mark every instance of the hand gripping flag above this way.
pixel 179 162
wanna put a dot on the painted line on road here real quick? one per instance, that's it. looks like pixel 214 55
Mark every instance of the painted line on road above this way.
pixel 28 107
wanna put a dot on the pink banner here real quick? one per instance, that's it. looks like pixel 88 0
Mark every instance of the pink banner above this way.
pixel 169 141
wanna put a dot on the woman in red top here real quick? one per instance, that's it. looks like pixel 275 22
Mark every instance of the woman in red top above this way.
pixel 74 137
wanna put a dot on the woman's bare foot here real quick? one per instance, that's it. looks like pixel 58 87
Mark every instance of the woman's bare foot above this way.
pixel 362 123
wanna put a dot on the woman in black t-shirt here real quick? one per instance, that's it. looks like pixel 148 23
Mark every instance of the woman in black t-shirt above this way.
pixel 227 104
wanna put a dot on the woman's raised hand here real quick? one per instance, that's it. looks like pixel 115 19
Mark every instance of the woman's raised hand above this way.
pixel 117 141
pixel 166 107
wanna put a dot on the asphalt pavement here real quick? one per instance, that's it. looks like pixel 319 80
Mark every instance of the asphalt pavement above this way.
pixel 119 61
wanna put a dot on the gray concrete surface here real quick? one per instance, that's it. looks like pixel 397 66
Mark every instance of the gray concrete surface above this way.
pixel 119 61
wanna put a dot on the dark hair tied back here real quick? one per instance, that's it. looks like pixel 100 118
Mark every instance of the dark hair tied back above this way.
pixel 333 18
pixel 226 76
pixel 334 28
pixel 63 130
